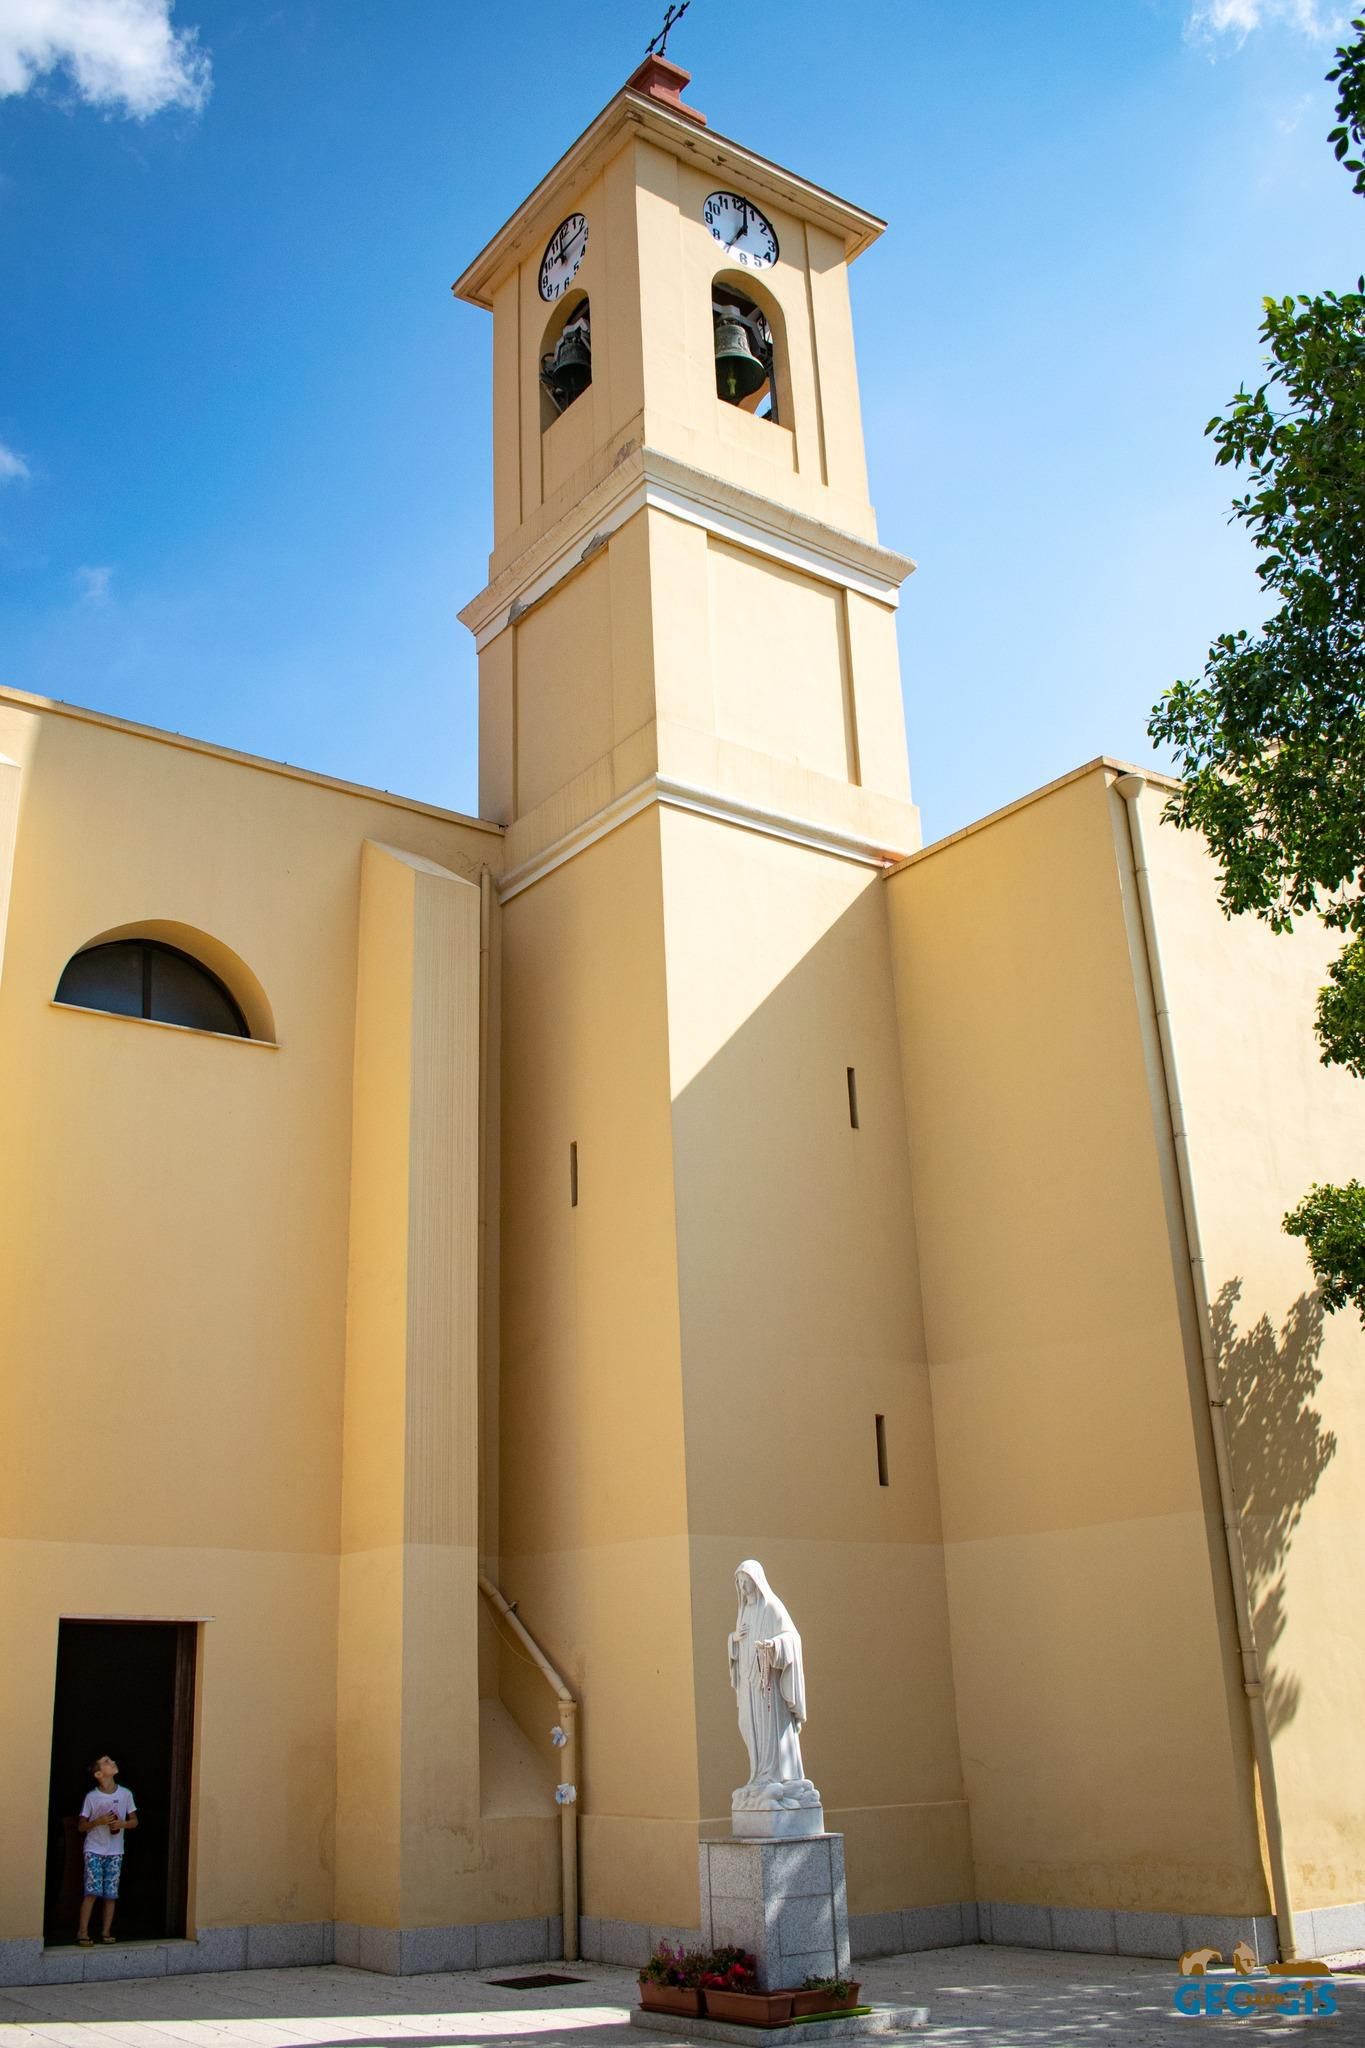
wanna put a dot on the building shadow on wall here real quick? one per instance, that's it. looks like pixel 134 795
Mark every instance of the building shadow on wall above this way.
pixel 1280 1451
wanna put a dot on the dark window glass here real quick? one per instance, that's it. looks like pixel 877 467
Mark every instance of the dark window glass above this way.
pixel 105 978
pixel 142 978
pixel 183 992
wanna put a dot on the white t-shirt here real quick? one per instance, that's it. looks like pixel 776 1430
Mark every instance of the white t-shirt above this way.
pixel 118 1803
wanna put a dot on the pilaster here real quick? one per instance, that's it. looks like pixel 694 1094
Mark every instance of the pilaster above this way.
pixel 408 1709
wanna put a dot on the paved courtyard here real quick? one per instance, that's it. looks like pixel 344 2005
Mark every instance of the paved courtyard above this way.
pixel 982 1997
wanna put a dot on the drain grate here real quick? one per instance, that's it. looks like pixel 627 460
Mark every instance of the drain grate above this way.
pixel 539 1983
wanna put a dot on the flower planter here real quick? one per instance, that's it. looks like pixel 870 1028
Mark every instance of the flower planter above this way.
pixel 750 2008
pixel 675 1998
pixel 804 2003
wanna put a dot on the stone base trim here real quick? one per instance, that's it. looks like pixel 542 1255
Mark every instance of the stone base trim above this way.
pixel 1329 1930
pixel 914 1928
pixel 626 1943
pixel 882 2020
pixel 280 1945
pixel 412 1951
pixel 289 1945
pixel 425 1951
pixel 1097 1931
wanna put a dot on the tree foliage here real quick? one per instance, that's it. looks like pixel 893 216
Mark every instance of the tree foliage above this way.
pixel 1341 1011
pixel 1270 740
pixel 1349 79
pixel 1331 1221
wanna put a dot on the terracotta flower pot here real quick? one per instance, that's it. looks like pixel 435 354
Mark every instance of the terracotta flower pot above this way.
pixel 677 1998
pixel 804 2003
pixel 750 2008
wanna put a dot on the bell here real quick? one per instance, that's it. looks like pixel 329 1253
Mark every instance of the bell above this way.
pixel 567 374
pixel 739 372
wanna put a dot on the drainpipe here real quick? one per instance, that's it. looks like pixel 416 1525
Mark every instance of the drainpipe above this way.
pixel 568 1811
pixel 1130 788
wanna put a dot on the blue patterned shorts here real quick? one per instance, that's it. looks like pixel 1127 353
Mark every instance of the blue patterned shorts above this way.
pixel 102 1874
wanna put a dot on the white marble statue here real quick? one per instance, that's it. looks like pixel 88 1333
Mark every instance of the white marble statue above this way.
pixel 767 1675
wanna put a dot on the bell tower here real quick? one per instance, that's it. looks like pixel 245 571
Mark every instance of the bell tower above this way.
pixel 740 635
pixel 710 1340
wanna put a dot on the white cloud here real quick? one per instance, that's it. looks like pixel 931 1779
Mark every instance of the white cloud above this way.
pixel 13 468
pixel 93 582
pixel 1313 18
pixel 120 54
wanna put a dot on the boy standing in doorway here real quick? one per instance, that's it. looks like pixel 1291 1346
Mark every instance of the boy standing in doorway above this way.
pixel 107 1815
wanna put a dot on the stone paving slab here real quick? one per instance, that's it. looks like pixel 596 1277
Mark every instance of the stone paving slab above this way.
pixel 978 1997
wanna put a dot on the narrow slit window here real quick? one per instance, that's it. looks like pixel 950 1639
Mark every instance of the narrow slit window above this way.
pixel 573 1174
pixel 853 1098
pixel 883 1476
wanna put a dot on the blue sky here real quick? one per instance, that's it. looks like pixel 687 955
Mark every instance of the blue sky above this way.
pixel 244 460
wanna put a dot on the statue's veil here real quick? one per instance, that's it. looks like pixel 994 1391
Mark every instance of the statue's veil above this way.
pixel 773 1619
pixel 774 1622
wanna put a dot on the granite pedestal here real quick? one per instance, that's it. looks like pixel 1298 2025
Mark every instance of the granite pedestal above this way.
pixel 784 1901
pixel 881 2021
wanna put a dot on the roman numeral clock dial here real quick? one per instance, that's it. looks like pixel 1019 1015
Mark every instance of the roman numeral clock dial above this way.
pixel 563 253
pixel 739 227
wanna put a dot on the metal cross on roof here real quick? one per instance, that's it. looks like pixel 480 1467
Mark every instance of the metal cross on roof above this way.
pixel 657 46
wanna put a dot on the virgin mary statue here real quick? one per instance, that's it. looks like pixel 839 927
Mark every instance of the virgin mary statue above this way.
pixel 768 1677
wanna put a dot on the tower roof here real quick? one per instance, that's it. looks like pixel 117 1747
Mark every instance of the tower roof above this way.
pixel 651 104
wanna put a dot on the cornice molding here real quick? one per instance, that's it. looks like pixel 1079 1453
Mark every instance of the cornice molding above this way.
pixel 636 112
pixel 671 794
pixel 647 477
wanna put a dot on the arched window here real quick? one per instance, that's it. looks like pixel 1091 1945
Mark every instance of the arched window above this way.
pixel 746 351
pixel 566 358
pixel 146 978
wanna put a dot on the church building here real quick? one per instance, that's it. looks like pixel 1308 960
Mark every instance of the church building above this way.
pixel 497 1228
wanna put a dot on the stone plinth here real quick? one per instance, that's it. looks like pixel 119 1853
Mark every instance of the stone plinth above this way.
pixel 785 1901
pixel 777 1824
pixel 881 2021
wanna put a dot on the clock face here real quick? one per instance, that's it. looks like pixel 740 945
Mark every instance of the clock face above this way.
pixel 739 227
pixel 563 254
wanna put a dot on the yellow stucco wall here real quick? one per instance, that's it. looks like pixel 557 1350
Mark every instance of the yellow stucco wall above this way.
pixel 409 1852
pixel 174 1214
pixel 801 1323
pixel 693 1356
pixel 1104 1737
pixel 1265 1121
pixel 779 661
pixel 594 1533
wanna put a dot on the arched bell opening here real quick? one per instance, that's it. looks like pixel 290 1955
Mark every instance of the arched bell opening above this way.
pixel 750 370
pixel 565 358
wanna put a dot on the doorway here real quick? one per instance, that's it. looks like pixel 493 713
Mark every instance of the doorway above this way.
pixel 124 1689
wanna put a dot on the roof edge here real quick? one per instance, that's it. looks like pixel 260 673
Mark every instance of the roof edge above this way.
pixel 27 700
pixel 1102 762
pixel 633 109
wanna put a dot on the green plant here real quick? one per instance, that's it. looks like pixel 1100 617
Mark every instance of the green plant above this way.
pixel 679 1967
pixel 837 1987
